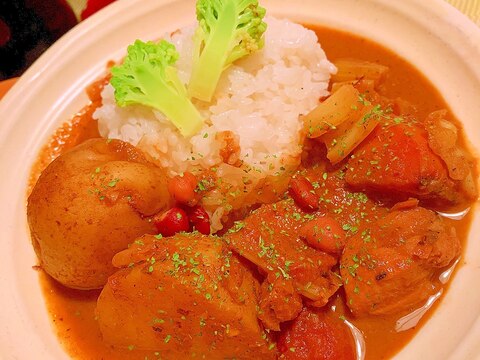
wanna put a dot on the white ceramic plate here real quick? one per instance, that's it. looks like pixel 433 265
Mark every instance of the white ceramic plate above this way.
pixel 440 41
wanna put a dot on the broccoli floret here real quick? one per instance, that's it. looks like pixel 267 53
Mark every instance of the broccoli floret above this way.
pixel 147 77
pixel 228 30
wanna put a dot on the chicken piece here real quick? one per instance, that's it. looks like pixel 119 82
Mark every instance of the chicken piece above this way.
pixel 443 139
pixel 391 266
pixel 89 204
pixel 397 161
pixel 269 239
pixel 317 335
pixel 184 296
pixel 278 302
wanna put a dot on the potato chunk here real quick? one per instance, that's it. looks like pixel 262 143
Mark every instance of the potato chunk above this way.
pixel 89 204
pixel 182 296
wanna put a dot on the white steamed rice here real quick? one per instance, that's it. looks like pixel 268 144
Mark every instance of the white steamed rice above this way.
pixel 259 99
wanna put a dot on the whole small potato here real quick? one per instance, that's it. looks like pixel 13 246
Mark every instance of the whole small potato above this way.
pixel 89 204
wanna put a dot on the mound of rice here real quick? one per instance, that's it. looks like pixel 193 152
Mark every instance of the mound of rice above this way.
pixel 258 100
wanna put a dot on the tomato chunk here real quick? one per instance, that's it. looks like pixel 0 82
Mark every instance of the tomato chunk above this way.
pixel 317 335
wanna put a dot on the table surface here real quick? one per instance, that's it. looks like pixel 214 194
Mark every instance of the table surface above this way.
pixel 470 8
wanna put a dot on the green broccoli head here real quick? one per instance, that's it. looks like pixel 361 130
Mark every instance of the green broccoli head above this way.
pixel 228 30
pixel 148 77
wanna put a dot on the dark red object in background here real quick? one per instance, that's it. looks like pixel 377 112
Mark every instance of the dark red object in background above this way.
pixel 28 28
pixel 93 6
pixel 57 15
pixel 4 33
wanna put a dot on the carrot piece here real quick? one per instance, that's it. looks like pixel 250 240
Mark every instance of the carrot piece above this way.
pixel 182 188
pixel 397 160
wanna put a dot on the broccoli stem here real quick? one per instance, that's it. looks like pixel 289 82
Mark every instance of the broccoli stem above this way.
pixel 170 97
pixel 207 70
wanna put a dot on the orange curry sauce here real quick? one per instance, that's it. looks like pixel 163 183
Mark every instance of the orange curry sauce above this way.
pixel 73 312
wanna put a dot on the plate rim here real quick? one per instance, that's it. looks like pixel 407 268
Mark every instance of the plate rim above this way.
pixel 40 70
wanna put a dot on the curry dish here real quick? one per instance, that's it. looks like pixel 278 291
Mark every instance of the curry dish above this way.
pixel 325 263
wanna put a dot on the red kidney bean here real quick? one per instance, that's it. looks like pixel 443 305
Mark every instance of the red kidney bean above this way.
pixel 171 222
pixel 199 219
pixel 325 234
pixel 302 192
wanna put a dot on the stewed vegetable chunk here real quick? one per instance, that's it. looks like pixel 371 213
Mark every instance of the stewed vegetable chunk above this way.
pixel 317 335
pixel 397 162
pixel 183 296
pixel 89 204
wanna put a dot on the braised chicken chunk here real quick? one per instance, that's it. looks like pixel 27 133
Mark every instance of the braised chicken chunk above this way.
pixel 393 265
pixel 444 140
pixel 269 238
pixel 184 296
